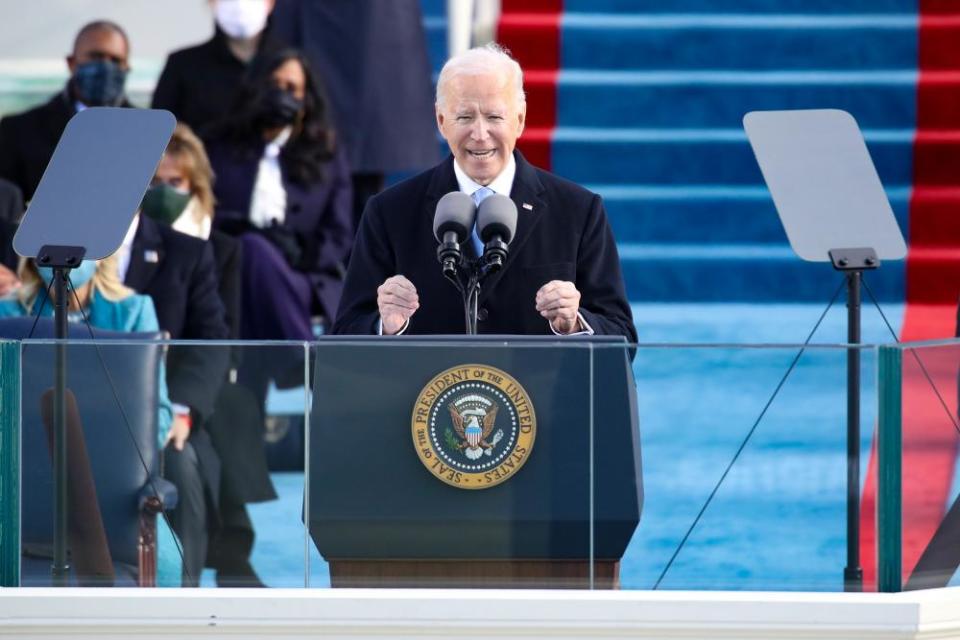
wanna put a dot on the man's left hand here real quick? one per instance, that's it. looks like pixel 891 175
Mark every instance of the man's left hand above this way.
pixel 558 301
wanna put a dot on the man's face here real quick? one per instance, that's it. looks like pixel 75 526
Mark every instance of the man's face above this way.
pixel 100 44
pixel 481 121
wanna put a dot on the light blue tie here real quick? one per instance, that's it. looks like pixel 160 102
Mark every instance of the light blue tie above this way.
pixel 479 196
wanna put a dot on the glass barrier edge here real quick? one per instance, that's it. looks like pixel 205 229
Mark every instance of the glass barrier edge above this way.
pixel 9 464
pixel 889 450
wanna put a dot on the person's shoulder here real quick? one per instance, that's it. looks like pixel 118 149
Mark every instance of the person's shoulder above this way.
pixel 191 54
pixel 11 308
pixel 17 121
pixel 172 236
pixel 9 191
pixel 177 244
pixel 412 189
pixel 140 313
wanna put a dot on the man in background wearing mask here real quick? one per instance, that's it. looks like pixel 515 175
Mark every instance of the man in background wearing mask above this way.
pixel 98 70
pixel 198 83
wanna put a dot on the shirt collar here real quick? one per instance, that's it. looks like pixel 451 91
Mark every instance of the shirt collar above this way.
pixel 275 146
pixel 131 233
pixel 502 184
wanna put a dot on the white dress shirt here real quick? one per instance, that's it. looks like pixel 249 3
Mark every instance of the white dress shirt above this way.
pixel 269 200
pixel 123 253
pixel 194 221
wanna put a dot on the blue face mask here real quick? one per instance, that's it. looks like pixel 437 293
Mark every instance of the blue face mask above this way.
pixel 78 276
pixel 100 83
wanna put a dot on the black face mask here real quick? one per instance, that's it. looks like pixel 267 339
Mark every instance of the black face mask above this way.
pixel 100 83
pixel 279 108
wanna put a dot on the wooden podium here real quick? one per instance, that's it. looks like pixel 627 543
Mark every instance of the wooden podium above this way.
pixel 394 504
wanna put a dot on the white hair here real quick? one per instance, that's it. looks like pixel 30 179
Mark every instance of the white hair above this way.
pixel 478 61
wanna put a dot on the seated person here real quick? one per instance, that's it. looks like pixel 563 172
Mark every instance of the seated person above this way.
pixel 283 186
pixel 181 195
pixel 107 304
pixel 198 83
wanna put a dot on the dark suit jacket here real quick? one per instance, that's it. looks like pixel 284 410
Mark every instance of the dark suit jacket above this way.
pixel 319 214
pixel 27 141
pixel 198 83
pixel 183 284
pixel 565 236
pixel 8 257
pixel 228 255
pixel 11 201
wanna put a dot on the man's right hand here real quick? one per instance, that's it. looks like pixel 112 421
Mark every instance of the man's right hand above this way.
pixel 397 300
pixel 8 281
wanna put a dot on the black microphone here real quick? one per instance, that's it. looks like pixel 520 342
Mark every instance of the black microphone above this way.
pixel 496 224
pixel 452 223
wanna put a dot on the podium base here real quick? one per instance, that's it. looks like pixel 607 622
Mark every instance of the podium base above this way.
pixel 474 574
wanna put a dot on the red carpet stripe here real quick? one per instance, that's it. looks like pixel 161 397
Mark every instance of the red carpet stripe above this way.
pixel 933 283
pixel 531 30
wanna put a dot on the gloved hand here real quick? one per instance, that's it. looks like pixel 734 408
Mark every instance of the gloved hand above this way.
pixel 286 241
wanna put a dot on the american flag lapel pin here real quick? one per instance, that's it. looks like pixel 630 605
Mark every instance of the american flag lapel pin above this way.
pixel 527 206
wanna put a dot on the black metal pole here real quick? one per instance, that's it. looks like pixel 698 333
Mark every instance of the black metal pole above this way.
pixel 60 567
pixel 853 573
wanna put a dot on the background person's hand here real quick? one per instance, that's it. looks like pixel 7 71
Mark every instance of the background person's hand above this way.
pixel 179 432
pixel 558 301
pixel 8 281
pixel 397 300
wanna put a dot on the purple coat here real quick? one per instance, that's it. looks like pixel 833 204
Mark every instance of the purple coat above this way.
pixel 320 214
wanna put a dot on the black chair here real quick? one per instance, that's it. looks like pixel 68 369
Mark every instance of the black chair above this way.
pixel 115 387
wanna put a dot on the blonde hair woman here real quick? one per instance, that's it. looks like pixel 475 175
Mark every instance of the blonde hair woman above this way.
pixel 107 304
pixel 181 195
pixel 105 300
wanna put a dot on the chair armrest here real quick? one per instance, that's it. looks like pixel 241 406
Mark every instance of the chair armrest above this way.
pixel 157 488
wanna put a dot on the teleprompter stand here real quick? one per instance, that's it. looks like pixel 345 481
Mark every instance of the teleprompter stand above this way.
pixel 834 209
pixel 82 209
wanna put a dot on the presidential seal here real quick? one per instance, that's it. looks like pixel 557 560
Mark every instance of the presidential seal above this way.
pixel 473 426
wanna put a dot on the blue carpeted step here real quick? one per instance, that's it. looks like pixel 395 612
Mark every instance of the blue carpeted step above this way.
pixel 711 215
pixel 748 42
pixel 738 273
pixel 433 8
pixel 653 99
pixel 436 33
pixel 737 6
pixel 694 156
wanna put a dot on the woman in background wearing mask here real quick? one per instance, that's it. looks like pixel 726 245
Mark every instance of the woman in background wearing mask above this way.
pixel 198 83
pixel 283 187
pixel 107 304
pixel 181 195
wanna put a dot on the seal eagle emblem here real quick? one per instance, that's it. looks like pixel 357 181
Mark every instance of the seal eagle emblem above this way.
pixel 473 426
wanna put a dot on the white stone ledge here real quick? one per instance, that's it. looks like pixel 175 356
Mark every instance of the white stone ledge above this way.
pixel 184 614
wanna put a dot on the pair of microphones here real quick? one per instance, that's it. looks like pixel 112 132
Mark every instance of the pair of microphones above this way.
pixel 454 219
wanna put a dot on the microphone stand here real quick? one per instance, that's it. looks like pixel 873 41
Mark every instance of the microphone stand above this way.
pixel 466 276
